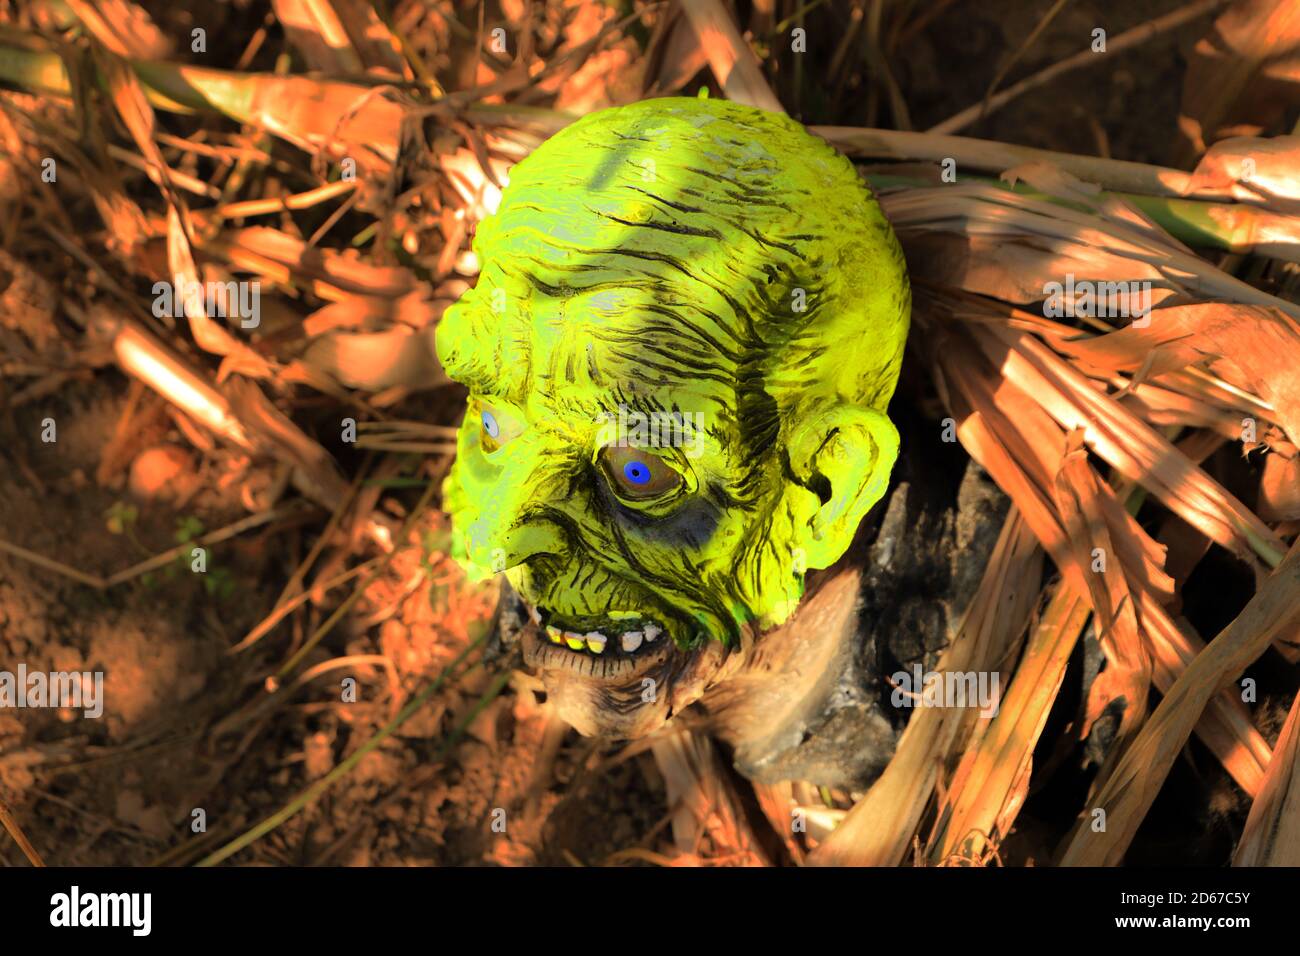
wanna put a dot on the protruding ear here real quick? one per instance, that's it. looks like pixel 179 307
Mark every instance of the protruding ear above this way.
pixel 844 456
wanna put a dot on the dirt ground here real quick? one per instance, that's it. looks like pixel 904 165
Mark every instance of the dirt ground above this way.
pixel 197 725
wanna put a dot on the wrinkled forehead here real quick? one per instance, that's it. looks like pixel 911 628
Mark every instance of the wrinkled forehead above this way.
pixel 651 267
pixel 615 346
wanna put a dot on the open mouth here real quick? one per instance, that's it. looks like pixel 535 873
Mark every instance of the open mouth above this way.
pixel 615 645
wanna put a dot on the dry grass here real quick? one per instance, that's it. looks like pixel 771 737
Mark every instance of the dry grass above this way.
pixel 193 173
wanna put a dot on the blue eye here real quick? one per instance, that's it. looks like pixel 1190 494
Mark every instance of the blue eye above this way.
pixel 490 425
pixel 636 475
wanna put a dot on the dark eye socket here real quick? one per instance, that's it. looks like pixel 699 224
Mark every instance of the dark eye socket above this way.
pixel 636 474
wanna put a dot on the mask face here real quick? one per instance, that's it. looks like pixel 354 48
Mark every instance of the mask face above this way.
pixel 689 321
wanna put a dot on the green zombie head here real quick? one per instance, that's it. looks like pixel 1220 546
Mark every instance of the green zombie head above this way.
pixel 688 325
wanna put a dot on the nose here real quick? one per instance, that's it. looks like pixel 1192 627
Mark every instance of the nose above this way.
pixel 500 549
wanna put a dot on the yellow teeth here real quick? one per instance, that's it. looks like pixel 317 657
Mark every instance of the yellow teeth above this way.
pixel 594 641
